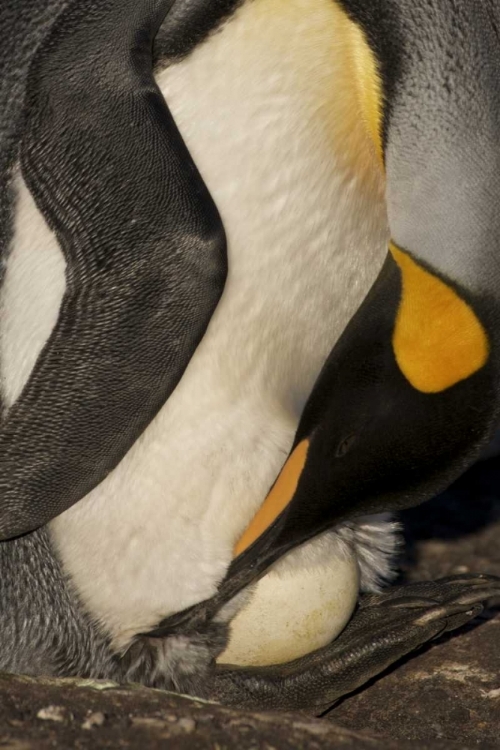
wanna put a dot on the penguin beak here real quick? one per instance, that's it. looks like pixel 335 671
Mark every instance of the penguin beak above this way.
pixel 277 500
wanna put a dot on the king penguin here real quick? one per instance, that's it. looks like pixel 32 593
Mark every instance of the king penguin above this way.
pixel 217 383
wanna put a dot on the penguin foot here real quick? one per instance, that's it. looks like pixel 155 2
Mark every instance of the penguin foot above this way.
pixel 385 628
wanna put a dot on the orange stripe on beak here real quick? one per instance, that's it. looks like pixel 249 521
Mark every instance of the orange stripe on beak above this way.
pixel 275 503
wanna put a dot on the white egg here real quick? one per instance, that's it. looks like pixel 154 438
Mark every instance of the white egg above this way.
pixel 301 605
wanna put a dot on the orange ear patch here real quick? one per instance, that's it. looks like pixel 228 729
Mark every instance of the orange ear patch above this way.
pixel 438 339
pixel 277 500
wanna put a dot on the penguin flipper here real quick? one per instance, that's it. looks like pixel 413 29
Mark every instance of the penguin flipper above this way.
pixel 385 628
pixel 145 253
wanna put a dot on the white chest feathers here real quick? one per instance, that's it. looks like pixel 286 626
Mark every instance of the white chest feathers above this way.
pixel 267 110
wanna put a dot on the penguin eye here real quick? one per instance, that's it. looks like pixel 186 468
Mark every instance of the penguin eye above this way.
pixel 345 445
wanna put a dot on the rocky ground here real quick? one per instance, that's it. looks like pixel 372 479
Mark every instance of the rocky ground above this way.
pixel 447 696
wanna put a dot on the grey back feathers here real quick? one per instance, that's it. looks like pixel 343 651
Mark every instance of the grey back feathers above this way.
pixel 44 630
